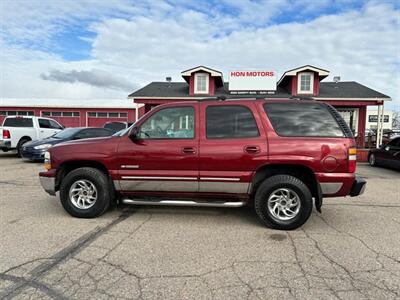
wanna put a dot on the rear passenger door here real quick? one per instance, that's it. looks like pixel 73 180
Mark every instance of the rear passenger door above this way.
pixel 232 143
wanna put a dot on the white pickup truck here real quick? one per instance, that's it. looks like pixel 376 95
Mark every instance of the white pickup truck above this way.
pixel 18 130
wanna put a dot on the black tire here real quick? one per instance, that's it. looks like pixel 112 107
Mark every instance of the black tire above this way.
pixel 20 144
pixel 372 160
pixel 99 180
pixel 271 185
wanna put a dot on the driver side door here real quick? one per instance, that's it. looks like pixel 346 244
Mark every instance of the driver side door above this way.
pixel 165 156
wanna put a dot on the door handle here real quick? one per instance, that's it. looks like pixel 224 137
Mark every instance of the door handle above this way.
pixel 188 150
pixel 252 149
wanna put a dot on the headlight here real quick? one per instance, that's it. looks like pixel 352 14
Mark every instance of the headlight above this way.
pixel 44 146
pixel 47 162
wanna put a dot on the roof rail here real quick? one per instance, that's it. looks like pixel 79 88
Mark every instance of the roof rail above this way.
pixel 216 98
pixel 301 98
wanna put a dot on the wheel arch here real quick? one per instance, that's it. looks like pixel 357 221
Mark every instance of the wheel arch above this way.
pixel 300 171
pixel 25 137
pixel 68 166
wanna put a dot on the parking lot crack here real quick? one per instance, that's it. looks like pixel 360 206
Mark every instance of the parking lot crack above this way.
pixel 53 261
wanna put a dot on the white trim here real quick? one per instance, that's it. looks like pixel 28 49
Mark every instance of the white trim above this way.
pixel 266 97
pixel 295 71
pixel 212 72
pixel 311 90
pixel 158 177
pixel 69 103
pixel 196 91
pixel 353 99
pixel 220 178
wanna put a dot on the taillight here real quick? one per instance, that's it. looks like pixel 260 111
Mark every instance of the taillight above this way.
pixel 6 134
pixel 352 160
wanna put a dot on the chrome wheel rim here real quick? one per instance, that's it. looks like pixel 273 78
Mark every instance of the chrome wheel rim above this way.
pixel 284 204
pixel 83 194
pixel 372 160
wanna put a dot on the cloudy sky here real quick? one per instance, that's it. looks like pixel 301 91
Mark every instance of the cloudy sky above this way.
pixel 109 48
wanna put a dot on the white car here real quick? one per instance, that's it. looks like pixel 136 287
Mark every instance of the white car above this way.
pixel 17 130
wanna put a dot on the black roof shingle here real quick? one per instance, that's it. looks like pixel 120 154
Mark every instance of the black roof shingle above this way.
pixel 343 89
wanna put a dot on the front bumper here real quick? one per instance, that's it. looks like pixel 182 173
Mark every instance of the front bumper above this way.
pixel 358 187
pixel 48 184
pixel 33 154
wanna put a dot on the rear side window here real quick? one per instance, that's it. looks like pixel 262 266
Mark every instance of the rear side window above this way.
pixel 230 121
pixel 18 122
pixel 302 119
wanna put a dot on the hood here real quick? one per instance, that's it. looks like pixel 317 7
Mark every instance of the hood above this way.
pixel 51 141
pixel 86 141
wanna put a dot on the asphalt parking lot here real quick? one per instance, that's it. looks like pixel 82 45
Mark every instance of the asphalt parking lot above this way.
pixel 350 251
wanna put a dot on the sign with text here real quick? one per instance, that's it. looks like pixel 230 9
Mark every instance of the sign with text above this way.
pixel 252 81
pixel 374 118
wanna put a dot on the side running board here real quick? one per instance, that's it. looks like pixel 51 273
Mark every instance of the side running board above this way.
pixel 183 203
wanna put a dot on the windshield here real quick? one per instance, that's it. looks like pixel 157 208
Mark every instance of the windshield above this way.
pixel 66 133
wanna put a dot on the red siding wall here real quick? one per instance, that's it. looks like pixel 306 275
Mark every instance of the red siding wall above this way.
pixel 82 120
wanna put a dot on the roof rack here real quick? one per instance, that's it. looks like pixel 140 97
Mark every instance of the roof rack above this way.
pixel 300 98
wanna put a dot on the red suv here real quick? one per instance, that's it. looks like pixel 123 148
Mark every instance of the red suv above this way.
pixel 277 155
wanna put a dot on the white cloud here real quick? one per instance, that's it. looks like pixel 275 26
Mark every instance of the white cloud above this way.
pixel 153 40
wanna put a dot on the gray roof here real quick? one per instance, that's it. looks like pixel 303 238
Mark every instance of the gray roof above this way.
pixel 349 89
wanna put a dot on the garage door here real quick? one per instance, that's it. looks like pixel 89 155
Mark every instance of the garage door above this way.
pixel 65 118
pixel 98 119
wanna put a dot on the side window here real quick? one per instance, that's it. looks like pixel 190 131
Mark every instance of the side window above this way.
pixel 54 125
pixel 395 142
pixel 44 123
pixel 84 134
pixel 230 121
pixel 98 132
pixel 169 123
pixel 302 119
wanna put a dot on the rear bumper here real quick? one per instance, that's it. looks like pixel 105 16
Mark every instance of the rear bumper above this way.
pixel 5 145
pixel 358 187
pixel 48 184
pixel 340 184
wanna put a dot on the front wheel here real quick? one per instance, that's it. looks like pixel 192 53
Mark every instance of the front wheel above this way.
pixel 372 160
pixel 85 193
pixel 283 202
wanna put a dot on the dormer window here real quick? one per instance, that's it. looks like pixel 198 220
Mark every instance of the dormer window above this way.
pixel 201 83
pixel 305 83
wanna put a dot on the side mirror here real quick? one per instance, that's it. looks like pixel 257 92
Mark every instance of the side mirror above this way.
pixel 134 134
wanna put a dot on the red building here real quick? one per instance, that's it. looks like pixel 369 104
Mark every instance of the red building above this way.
pixel 73 113
pixel 350 98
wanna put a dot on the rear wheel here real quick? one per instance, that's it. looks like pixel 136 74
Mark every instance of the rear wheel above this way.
pixel 20 145
pixel 283 202
pixel 85 193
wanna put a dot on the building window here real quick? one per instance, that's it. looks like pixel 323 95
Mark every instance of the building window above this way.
pixel 108 114
pixel 60 114
pixel 305 83
pixel 201 83
pixel 16 113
